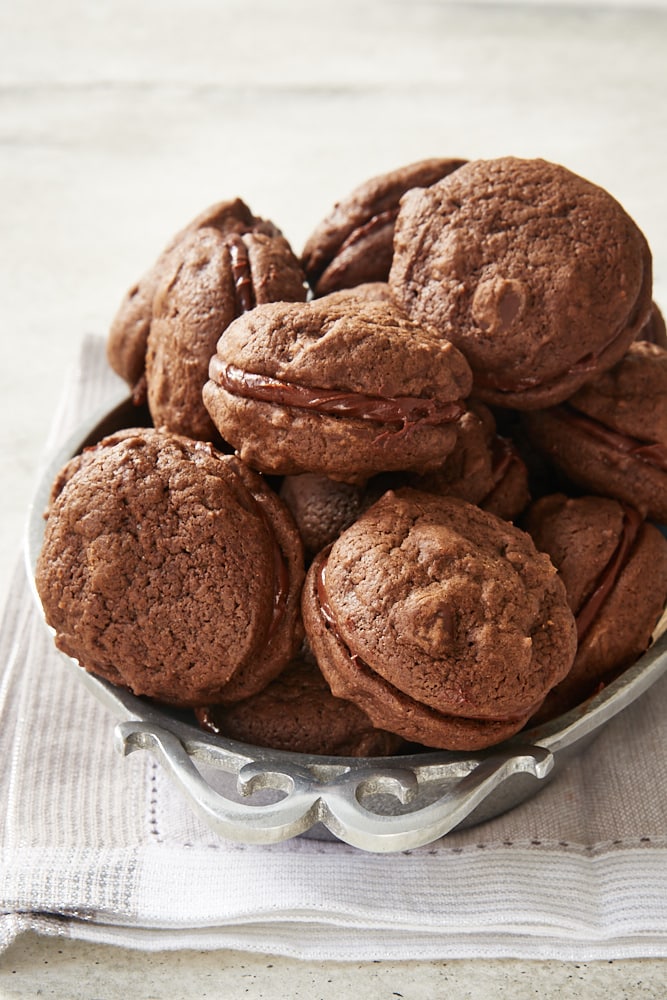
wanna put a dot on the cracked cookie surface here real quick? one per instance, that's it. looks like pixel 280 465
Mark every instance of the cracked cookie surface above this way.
pixel 538 276
pixel 162 566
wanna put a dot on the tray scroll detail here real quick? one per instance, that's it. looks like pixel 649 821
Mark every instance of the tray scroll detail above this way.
pixel 337 802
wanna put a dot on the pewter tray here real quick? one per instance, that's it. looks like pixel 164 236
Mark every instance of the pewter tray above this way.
pixel 256 795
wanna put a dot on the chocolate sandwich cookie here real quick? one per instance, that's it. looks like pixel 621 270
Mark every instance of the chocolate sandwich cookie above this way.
pixel 538 276
pixel 128 335
pixel 440 620
pixel 354 242
pixel 484 468
pixel 298 713
pixel 336 387
pixel 614 567
pixel 171 569
pixel 610 437
pixel 211 277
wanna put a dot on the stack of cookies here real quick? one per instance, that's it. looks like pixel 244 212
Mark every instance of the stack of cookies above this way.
pixel 399 490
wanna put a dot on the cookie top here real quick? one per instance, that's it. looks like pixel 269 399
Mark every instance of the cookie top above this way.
pixel 170 569
pixel 128 334
pixel 297 712
pixel 537 275
pixel 450 605
pixel 337 387
pixel 353 680
pixel 354 242
pixel 211 277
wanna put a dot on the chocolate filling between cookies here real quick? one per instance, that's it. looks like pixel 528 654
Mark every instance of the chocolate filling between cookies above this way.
pixel 244 291
pixel 382 220
pixel 632 522
pixel 405 411
pixel 503 456
pixel 651 452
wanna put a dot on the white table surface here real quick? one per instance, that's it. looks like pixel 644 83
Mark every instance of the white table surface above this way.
pixel 120 120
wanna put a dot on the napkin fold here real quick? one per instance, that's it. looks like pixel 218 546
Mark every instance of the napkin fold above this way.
pixel 101 847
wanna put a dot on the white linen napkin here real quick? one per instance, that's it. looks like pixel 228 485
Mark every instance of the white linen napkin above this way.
pixel 100 847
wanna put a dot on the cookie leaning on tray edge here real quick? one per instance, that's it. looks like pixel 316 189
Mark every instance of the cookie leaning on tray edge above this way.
pixel 398 492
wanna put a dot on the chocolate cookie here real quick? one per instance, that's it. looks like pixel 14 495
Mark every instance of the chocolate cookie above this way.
pixel 611 436
pixel 128 335
pixel 614 567
pixel 171 569
pixel 321 507
pixel 298 713
pixel 354 242
pixel 211 277
pixel 484 468
pixel 367 293
pixel 538 276
pixel 440 620
pixel 337 387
